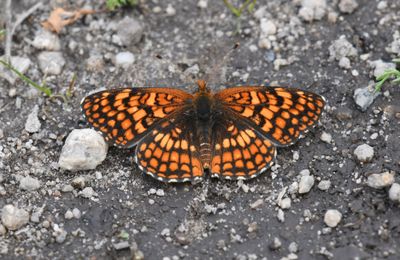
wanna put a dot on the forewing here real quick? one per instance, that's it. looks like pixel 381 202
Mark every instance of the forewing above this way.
pixel 280 114
pixel 239 152
pixel 170 152
pixel 124 116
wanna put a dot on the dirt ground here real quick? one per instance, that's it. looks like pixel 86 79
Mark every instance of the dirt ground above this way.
pixel 131 215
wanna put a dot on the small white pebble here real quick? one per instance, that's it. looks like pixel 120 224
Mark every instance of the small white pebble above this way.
pixel 332 218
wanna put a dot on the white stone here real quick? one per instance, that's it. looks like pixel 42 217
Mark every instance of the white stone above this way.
pixel 77 213
pixel 285 203
pixel 326 137
pixel 394 46
pixel 382 5
pixel 170 10
pixel 306 183
pixel 332 218
pixel 312 9
pixel 344 63
pixel 380 66
pixel 267 27
pixel 68 215
pixel 13 218
pixel 51 62
pixel 202 4
pixel 394 192
pixel 45 40
pixel 84 149
pixel 160 192
pixel 32 124
pixel 348 6
pixel 324 185
pixel 124 59
pixel 28 183
pixel 281 215
pixel 364 153
pixel 87 192
pixel 380 180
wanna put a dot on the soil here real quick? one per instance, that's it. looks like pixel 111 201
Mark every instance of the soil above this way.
pixel 134 215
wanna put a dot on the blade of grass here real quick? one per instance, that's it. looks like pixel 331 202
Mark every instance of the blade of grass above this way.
pixel 43 89
pixel 233 9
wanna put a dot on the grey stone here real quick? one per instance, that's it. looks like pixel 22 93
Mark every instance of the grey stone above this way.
pixel 324 185
pixel 380 66
pixel 28 183
pixel 84 149
pixel 51 62
pixel 267 27
pixel 341 48
pixel 19 63
pixel 68 214
pixel 326 137
pixel 394 192
pixel 45 40
pixel 364 97
pixel 344 63
pixel 364 153
pixel 348 6
pixel 306 183
pixel 285 203
pixel 394 46
pixel 257 204
pixel 129 31
pixel 14 218
pixel 380 180
pixel 87 192
pixel 32 124
pixel 332 218
pixel 312 9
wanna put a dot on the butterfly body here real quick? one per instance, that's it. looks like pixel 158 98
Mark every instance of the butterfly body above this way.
pixel 178 136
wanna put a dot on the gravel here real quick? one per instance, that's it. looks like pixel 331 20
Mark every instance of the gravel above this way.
pixel 341 48
pixel 87 193
pixel 21 64
pixel 51 62
pixel 380 180
pixel 124 59
pixel 364 97
pixel 394 192
pixel 306 183
pixel 348 6
pixel 394 46
pixel 332 218
pixel 29 183
pixel 45 40
pixel 312 10
pixel 324 185
pixel 326 137
pixel 129 31
pixel 14 218
pixel 364 153
pixel 32 124
pixel 380 66
pixel 84 149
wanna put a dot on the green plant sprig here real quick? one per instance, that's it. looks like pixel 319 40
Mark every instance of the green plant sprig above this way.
pixel 238 11
pixel 113 4
pixel 43 88
pixel 386 75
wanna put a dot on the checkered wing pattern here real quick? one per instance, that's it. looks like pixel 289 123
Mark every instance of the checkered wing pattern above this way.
pixel 170 153
pixel 124 116
pixel 239 152
pixel 279 114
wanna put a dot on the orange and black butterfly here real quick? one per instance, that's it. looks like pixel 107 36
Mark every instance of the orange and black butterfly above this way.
pixel 232 133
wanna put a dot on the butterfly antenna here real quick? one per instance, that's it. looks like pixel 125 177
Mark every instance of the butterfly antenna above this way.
pixel 211 74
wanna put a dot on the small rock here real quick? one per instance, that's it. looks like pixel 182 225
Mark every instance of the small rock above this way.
pixel 364 153
pixel 32 124
pixel 312 9
pixel 28 183
pixel 68 215
pixel 281 216
pixel 382 5
pixel 332 218
pixel 78 182
pixel 95 63
pixel 341 48
pixel 121 245
pixel 77 213
pixel 51 62
pixel 285 203
pixel 3 230
pixel 326 137
pixel 324 185
pixel 347 6
pixel 380 180
pixel 124 59
pixel 84 149
pixel 67 188
pixel 380 66
pixel 19 63
pixel 170 10
pixel 364 97
pixel 344 113
pixel 13 218
pixel 306 183
pixel 129 31
pixel 276 244
pixel 267 27
pixel 394 192
pixel 293 188
pixel 344 63
pixel 60 235
pixel 394 47
pixel 257 204
pixel 87 192
pixel 45 40
pixel 293 247
pixel 202 4
pixel 160 192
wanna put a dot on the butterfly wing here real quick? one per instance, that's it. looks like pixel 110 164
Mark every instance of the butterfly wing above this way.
pixel 239 152
pixel 124 116
pixel 170 153
pixel 280 114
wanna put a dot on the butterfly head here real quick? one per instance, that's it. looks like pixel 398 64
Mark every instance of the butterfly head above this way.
pixel 202 84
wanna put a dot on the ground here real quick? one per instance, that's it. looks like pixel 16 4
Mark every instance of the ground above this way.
pixel 132 214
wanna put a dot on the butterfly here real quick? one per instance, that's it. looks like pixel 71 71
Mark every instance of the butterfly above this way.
pixel 178 136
